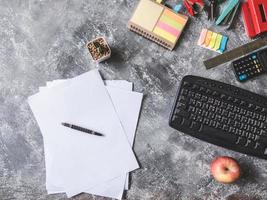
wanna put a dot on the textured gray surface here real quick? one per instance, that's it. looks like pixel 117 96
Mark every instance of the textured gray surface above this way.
pixel 45 40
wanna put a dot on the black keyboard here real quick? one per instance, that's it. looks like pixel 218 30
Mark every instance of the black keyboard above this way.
pixel 221 114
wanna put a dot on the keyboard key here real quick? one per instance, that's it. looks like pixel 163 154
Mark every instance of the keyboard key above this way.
pixel 182 113
pixel 243 77
pixel 177 119
pixel 212 132
pixel 186 84
pixel 195 125
pixel 186 122
pixel 195 87
pixel 247 143
pixel 241 141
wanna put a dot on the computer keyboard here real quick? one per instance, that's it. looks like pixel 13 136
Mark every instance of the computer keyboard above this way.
pixel 221 114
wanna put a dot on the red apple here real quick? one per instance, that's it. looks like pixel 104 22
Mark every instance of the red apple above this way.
pixel 225 169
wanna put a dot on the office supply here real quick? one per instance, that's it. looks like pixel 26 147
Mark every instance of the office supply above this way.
pixel 235 53
pixel 208 38
pixel 193 7
pixel 218 41
pixel 228 8
pixel 254 14
pixel 250 66
pixel 213 41
pixel 229 19
pixel 157 23
pixel 202 36
pixel 65 146
pixel 121 96
pixel 99 49
pixel 211 9
pixel 223 44
pixel 177 8
pixel 221 114
pixel 83 144
pixel 81 129
pixel 159 1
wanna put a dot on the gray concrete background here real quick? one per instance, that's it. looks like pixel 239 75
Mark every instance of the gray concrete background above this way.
pixel 45 40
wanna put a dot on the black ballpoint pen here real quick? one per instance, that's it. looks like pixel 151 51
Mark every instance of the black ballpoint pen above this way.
pixel 78 128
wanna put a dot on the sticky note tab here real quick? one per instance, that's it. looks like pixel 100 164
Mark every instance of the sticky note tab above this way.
pixel 159 1
pixel 218 42
pixel 213 40
pixel 202 37
pixel 223 44
pixel 177 8
pixel 208 38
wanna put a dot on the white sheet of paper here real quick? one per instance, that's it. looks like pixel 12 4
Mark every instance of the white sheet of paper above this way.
pixel 127 105
pixel 92 108
pixel 122 84
pixel 113 192
pixel 121 100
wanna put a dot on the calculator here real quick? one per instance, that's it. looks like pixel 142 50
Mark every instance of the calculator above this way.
pixel 251 65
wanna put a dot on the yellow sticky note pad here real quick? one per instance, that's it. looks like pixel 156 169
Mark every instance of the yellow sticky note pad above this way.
pixel 170 26
pixel 165 34
pixel 213 40
pixel 208 38
pixel 218 42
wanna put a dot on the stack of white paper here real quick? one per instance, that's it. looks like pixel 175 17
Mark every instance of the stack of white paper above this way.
pixel 78 162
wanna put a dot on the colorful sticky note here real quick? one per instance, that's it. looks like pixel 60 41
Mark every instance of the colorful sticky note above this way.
pixel 218 42
pixel 170 26
pixel 202 37
pixel 208 38
pixel 213 40
pixel 223 44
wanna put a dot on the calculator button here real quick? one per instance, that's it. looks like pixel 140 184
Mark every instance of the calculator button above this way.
pixel 242 77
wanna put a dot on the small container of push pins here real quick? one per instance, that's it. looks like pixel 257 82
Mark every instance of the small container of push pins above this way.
pixel 99 49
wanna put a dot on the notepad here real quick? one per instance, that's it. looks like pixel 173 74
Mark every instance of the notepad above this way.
pixel 157 23
pixel 68 150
